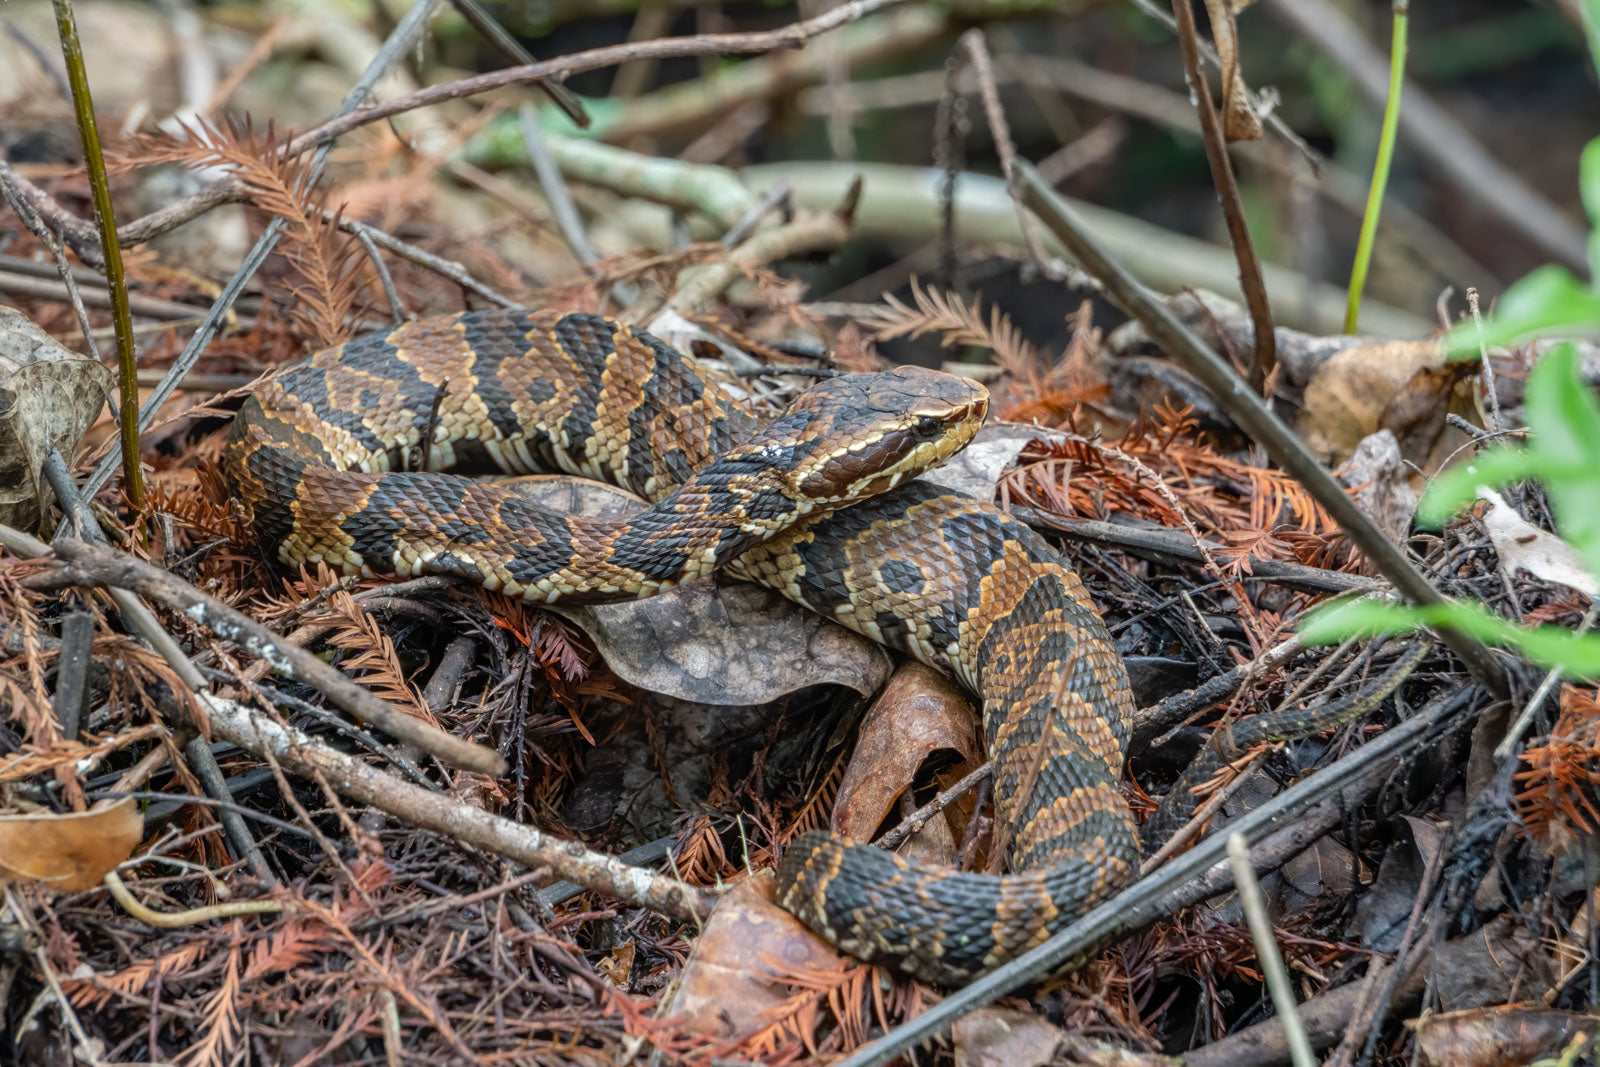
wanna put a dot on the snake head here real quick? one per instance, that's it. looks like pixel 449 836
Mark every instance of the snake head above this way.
pixel 870 432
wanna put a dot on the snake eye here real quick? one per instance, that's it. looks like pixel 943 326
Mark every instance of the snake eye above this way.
pixel 929 426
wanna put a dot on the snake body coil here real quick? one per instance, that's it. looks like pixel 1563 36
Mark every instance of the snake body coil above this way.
pixel 314 458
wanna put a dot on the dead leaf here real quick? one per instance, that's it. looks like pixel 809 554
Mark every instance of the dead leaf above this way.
pixel 1302 885
pixel 1416 414
pixel 1383 912
pixel 1506 1036
pixel 1382 484
pixel 617 968
pixel 1346 398
pixel 49 396
pixel 737 644
pixel 1239 120
pixel 732 984
pixel 1003 1037
pixel 69 852
pixel 1522 546
pixel 920 713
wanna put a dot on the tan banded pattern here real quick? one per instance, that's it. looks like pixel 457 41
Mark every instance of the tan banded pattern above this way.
pixel 319 459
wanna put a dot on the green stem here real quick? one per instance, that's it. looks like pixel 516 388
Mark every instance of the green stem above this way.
pixel 1380 168
pixel 116 281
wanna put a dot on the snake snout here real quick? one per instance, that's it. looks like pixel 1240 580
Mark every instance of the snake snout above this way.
pixel 875 431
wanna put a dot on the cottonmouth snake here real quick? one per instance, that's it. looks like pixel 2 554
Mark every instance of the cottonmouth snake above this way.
pixel 316 457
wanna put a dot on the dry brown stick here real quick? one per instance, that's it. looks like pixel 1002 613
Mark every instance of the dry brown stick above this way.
pixel 1255 288
pixel 95 296
pixel 977 49
pixel 812 232
pixel 1173 546
pixel 95 566
pixel 1255 418
pixel 181 211
pixel 919 818
pixel 471 825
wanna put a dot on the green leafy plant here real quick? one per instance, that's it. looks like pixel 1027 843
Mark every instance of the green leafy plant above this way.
pixel 1564 452
pixel 1565 455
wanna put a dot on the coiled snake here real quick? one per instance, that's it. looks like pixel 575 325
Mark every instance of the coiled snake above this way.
pixel 315 457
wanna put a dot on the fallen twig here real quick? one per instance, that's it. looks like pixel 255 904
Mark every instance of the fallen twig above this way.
pixel 95 566
pixel 470 825
pixel 1255 418
pixel 1173 546
pixel 1211 135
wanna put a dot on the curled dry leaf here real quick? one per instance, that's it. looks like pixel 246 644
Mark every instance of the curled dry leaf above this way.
pixel 733 984
pixel 1387 383
pixel 1497 1037
pixel 49 395
pixel 68 852
pixel 732 645
pixel 1522 546
pixel 920 713
pixel 1239 120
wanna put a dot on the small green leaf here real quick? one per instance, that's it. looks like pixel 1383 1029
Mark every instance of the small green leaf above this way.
pixel 1550 298
pixel 1352 618
pixel 1458 486
pixel 1576 655
pixel 1589 187
pixel 1562 411
pixel 1565 418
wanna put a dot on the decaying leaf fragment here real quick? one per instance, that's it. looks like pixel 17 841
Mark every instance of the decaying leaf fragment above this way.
pixel 1400 385
pixel 919 713
pixel 732 985
pixel 1239 120
pixel 1505 1036
pixel 69 852
pixel 48 397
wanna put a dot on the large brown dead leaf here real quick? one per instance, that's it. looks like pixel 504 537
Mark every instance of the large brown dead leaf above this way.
pixel 1385 384
pixel 49 396
pixel 69 852
pixel 733 984
pixel 1505 1036
pixel 920 713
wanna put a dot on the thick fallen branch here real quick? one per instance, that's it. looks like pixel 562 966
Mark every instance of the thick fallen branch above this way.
pixel 1176 546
